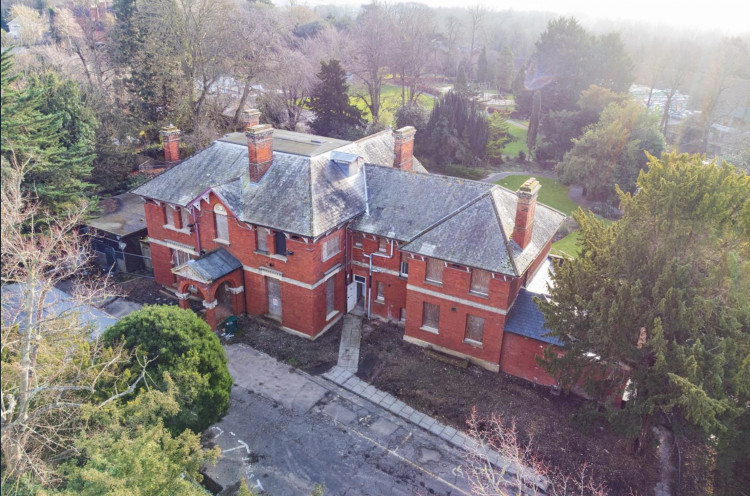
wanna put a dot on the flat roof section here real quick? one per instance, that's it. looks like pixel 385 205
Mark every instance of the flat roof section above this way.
pixel 306 145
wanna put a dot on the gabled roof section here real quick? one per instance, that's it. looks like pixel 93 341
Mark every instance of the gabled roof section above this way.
pixel 218 164
pixel 378 149
pixel 403 204
pixel 480 235
pixel 209 267
pixel 472 237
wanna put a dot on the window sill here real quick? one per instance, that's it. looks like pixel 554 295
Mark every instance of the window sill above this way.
pixel 478 294
pixel 379 300
pixel 431 330
pixel 221 241
pixel 330 256
pixel 403 276
pixel 260 252
pixel 434 283
pixel 172 228
pixel 278 257
pixel 471 342
pixel 331 315
pixel 359 247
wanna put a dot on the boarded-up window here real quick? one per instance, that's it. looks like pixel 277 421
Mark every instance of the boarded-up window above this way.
pixel 222 225
pixel 382 244
pixel 381 291
pixel 434 270
pixel 184 217
pixel 480 281
pixel 331 247
pixel 330 293
pixel 262 235
pixel 474 328
pixel 430 316
pixel 357 239
pixel 169 215
pixel 403 315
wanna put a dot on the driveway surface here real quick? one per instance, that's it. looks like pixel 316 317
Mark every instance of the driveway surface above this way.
pixel 286 431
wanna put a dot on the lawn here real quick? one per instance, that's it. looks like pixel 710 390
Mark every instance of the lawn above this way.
pixel 390 101
pixel 518 143
pixel 553 192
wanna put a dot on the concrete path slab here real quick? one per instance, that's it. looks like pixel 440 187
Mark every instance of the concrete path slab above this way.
pixel 264 375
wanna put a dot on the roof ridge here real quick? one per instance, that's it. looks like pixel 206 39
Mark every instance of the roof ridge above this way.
pixel 502 230
pixel 448 217
pixel 365 138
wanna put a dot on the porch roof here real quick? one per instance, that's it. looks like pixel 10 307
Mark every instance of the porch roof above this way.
pixel 209 267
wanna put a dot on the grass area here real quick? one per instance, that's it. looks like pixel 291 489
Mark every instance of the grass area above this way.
pixel 518 143
pixel 568 246
pixel 553 192
pixel 390 101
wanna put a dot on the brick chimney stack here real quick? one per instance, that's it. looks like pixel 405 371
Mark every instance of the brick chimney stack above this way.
pixel 525 207
pixel 250 118
pixel 404 148
pixel 170 137
pixel 260 150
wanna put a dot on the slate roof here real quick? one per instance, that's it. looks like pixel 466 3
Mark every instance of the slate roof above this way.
pixel 123 215
pixel 306 193
pixel 210 266
pixel 527 320
pixel 56 304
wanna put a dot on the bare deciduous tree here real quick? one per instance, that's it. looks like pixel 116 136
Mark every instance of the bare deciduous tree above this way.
pixel 523 471
pixel 373 43
pixel 411 54
pixel 51 367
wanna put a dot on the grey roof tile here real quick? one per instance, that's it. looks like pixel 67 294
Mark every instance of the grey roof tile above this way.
pixel 306 193
pixel 214 265
pixel 527 320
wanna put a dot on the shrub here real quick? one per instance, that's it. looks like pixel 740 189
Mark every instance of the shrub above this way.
pixel 183 347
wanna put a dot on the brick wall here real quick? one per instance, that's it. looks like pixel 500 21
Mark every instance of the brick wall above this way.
pixel 518 358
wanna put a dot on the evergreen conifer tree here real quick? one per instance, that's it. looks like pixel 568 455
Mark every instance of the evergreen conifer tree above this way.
pixel 334 115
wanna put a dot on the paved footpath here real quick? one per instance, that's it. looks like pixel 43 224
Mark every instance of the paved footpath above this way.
pixel 343 374
pixel 287 430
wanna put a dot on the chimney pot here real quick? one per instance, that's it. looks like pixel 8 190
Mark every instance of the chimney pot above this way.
pixel 260 150
pixel 527 195
pixel 170 136
pixel 250 118
pixel 404 148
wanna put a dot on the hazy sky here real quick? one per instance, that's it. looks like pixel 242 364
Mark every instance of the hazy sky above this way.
pixel 730 16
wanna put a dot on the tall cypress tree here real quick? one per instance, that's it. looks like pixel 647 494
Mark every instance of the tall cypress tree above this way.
pixel 536 114
pixel 334 115
pixel 659 298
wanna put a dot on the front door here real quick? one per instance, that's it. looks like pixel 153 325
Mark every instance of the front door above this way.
pixel 351 296
pixel 274 297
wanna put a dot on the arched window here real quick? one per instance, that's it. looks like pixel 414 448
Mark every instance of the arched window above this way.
pixel 222 225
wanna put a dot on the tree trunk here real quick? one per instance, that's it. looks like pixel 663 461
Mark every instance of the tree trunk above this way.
pixel 241 104
pixel 643 434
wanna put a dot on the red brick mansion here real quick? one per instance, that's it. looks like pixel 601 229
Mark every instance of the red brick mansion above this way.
pixel 304 228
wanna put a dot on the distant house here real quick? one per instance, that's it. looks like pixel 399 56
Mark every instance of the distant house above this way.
pixel 118 235
pixel 304 228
